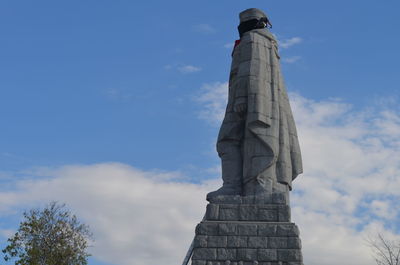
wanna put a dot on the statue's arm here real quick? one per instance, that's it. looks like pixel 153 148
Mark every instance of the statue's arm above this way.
pixel 243 76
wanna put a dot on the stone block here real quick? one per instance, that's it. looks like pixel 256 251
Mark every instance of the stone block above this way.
pixel 294 242
pixel 247 254
pixel 287 255
pixel 226 199
pixel 227 229
pixel 248 199
pixel 287 230
pixel 267 255
pixel 212 212
pixel 198 262
pixel 284 213
pixel 269 214
pixel 226 254
pixel 206 228
pixel 248 212
pixel 205 254
pixel 267 229
pixel 217 241
pixel 263 199
pixel 294 263
pixel 200 241
pixel 277 242
pixel 228 212
pixel 257 242
pixel 237 241
pixel 247 229
pixel 278 198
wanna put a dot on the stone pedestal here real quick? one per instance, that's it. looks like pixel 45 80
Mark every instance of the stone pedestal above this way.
pixel 247 231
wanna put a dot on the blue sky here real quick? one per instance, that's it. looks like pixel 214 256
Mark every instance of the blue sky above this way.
pixel 137 89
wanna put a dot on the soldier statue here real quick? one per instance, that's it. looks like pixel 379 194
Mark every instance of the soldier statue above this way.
pixel 257 142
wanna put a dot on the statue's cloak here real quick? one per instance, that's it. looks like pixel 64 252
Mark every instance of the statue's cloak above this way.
pixel 270 143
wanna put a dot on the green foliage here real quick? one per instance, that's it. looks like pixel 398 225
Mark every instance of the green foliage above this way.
pixel 52 236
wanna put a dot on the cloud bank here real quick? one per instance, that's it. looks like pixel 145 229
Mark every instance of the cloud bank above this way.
pixel 136 217
pixel 349 190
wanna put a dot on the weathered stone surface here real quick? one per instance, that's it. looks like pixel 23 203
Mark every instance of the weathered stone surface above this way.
pixel 267 229
pixel 284 213
pixel 294 242
pixel 247 254
pixel 277 242
pixel 244 233
pixel 257 93
pixel 217 241
pixel 248 199
pixel 267 255
pixel 278 198
pixel 287 230
pixel 247 229
pixel 237 241
pixel 247 241
pixel 257 242
pixel 226 254
pixel 228 212
pixel 205 254
pixel 212 212
pixel 198 262
pixel 248 212
pixel 263 199
pixel 200 241
pixel 268 214
pixel 289 255
pixel 226 199
pixel 206 228
pixel 227 229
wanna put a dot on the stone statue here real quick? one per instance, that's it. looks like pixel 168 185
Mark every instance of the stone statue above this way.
pixel 248 220
pixel 257 142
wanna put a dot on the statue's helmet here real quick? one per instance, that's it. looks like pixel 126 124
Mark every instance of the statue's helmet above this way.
pixel 251 13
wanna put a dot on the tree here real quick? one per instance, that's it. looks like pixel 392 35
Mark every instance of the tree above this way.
pixel 385 252
pixel 52 236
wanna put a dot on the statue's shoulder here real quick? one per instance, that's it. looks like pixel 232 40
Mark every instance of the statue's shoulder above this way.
pixel 263 36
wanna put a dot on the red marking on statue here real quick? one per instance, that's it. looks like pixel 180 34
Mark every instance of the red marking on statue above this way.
pixel 236 44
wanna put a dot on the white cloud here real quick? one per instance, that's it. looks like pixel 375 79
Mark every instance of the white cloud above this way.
pixel 287 43
pixel 229 45
pixel 352 175
pixel 186 69
pixel 6 233
pixel 291 59
pixel 137 217
pixel 352 167
pixel 213 98
pixel 204 28
pixel 350 190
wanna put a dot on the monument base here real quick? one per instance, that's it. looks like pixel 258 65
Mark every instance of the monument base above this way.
pixel 247 231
